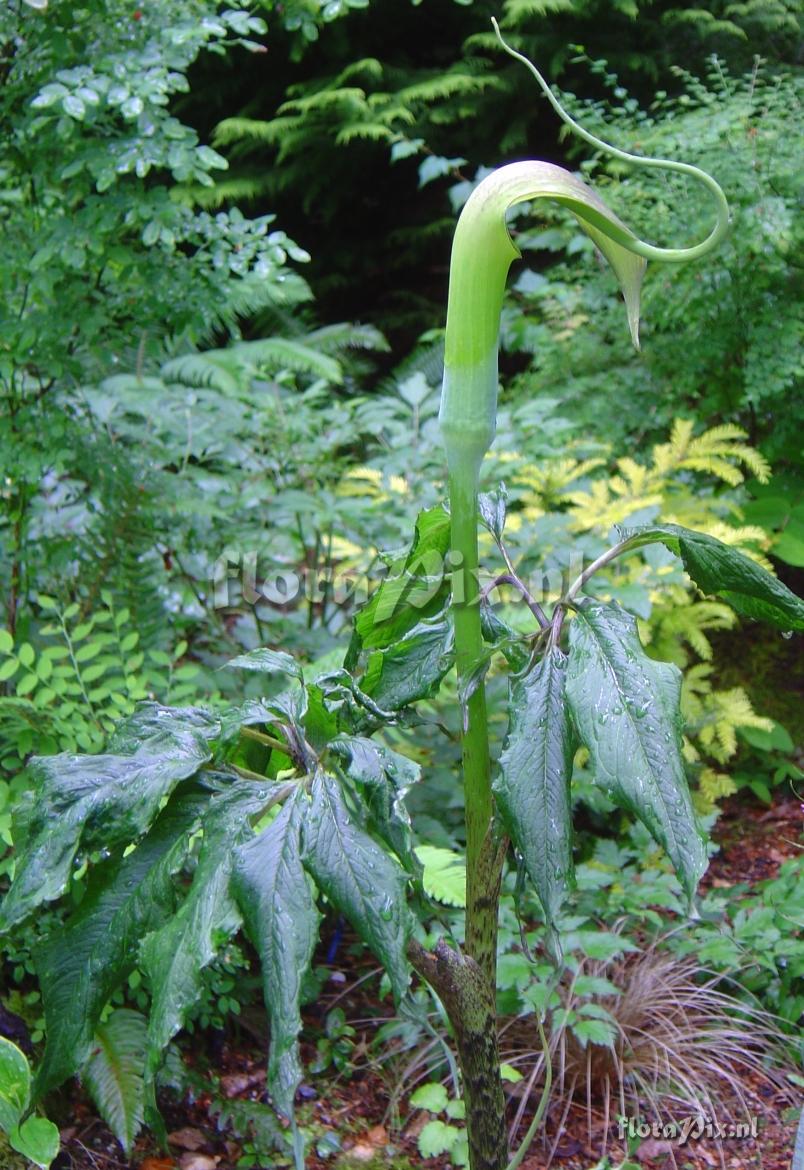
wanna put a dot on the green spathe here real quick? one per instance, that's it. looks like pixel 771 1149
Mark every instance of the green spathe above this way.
pixel 482 253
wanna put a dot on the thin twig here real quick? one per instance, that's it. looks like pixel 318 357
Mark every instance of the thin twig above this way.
pixel 531 602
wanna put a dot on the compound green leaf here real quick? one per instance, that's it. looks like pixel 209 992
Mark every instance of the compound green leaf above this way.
pixel 274 896
pixel 626 709
pixel 533 787
pixel 359 877
pixel 717 568
pixel 82 964
pixel 101 801
pixel 114 1073
pixel 175 955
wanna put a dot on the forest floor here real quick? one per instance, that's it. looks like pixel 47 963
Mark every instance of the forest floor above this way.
pixel 354 1112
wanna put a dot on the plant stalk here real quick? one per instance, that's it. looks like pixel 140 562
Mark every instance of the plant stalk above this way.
pixel 473 998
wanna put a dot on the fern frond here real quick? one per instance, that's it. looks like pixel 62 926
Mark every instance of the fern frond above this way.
pixel 718 451
pixel 712 787
pixel 369 131
pixel 445 85
pixel 231 371
pixel 519 11
pixel 274 353
pixel 114 1074
pixel 324 99
pixel 336 338
pixel 239 190
pixel 251 129
pixel 713 717
pixel 367 66
pixel 215 369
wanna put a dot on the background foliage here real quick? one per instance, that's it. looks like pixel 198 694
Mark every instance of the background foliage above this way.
pixel 225 242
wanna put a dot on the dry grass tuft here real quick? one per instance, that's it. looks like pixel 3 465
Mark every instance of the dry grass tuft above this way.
pixel 682 1046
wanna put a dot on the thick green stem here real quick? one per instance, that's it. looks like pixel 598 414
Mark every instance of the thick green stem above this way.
pixel 468 984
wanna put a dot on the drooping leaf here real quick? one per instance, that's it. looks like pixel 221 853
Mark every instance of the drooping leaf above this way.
pixel 412 668
pixel 274 896
pixel 320 723
pixel 267 661
pixel 626 709
pixel 81 965
pixel 720 569
pixel 359 877
pixel 99 801
pixel 384 777
pixel 415 590
pixel 154 727
pixel 291 702
pixel 175 955
pixel 532 789
pixel 114 1073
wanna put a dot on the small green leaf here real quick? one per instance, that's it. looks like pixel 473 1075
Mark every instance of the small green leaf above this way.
pixel 716 568
pixel 437 1138
pixel 15 1084
pixel 37 1139
pixel 432 1097
pixel 26 654
pixel 279 911
pixel 359 877
pixel 444 874
pixel 626 709
pixel 6 642
pixel 533 787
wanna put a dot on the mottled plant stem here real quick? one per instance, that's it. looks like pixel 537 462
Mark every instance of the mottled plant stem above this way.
pixel 470 1002
pixel 467 983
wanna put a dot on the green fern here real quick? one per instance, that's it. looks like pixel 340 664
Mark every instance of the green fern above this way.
pixel 444 876
pixel 231 371
pixel 87 674
pixel 114 1073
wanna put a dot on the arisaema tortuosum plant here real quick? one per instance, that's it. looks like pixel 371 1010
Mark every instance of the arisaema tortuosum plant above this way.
pixel 606 693
pixel 194 823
